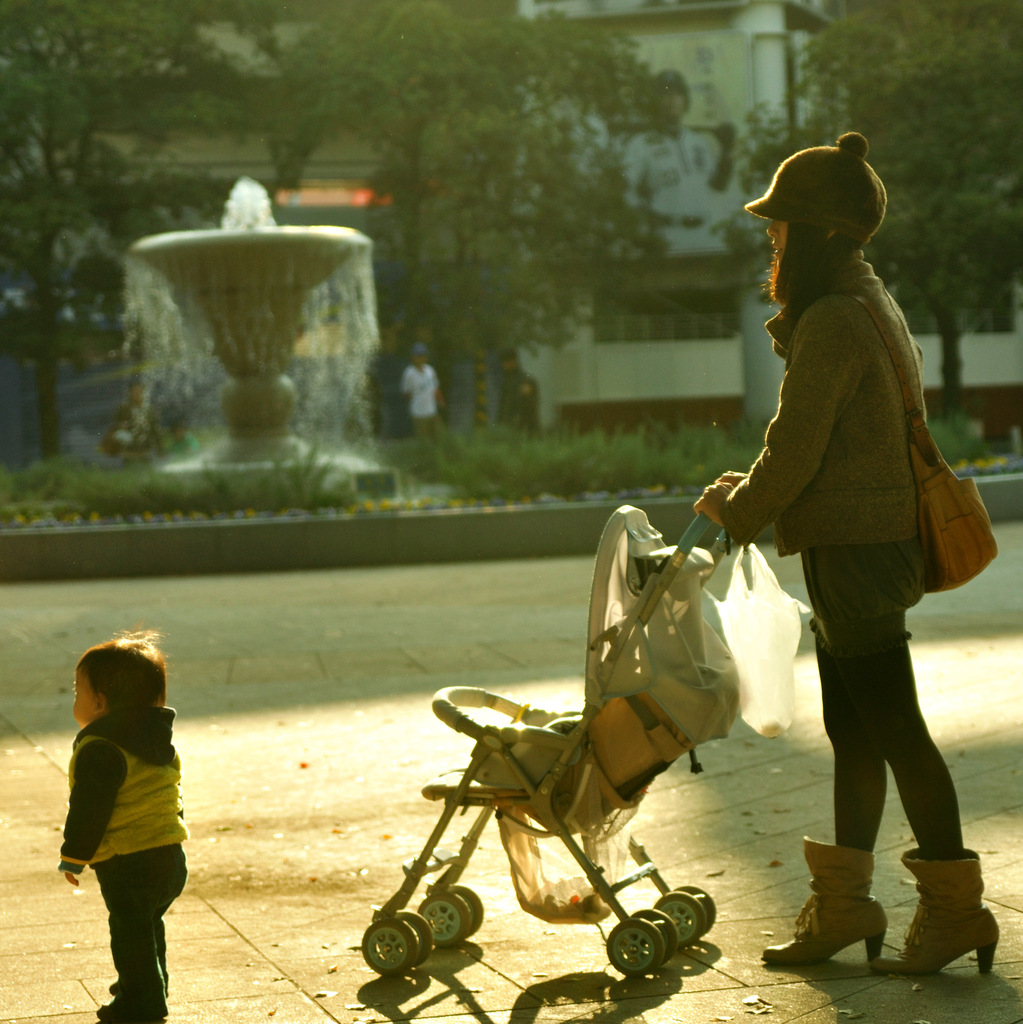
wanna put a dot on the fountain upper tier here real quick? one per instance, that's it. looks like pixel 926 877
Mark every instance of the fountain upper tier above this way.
pixel 250 284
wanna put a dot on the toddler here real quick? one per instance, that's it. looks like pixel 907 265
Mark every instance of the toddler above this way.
pixel 125 815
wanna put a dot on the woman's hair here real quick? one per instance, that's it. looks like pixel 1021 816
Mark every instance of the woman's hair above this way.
pixel 808 267
pixel 129 671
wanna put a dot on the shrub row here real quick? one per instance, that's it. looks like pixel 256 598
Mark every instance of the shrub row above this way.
pixel 486 465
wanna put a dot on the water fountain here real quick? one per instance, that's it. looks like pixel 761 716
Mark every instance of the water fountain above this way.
pixel 250 293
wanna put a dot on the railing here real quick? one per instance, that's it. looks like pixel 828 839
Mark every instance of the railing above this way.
pixel 613 327
pixel 589 7
pixel 688 326
pixel 971 321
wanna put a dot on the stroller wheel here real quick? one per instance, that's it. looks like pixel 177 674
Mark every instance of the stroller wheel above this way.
pixel 390 947
pixel 449 916
pixel 709 908
pixel 475 905
pixel 686 911
pixel 635 947
pixel 668 928
pixel 424 933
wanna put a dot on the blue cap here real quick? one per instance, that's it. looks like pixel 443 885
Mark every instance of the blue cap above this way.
pixel 419 349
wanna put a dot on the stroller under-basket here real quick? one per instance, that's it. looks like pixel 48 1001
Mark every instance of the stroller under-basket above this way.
pixel 659 681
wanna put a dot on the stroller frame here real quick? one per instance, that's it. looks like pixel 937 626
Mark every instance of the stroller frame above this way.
pixel 398 940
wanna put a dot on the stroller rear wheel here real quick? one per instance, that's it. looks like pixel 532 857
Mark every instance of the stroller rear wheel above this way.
pixel 635 947
pixel 449 916
pixel 706 901
pixel 686 911
pixel 475 905
pixel 390 947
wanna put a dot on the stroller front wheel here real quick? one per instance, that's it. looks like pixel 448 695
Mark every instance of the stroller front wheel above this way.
pixel 390 947
pixel 449 916
pixel 635 947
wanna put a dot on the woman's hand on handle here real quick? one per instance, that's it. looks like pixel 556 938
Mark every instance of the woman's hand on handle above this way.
pixel 714 496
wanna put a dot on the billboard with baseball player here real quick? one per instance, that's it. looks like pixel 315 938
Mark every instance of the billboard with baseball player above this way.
pixel 679 166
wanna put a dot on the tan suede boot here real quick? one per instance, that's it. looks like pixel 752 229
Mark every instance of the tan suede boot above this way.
pixel 951 918
pixel 841 910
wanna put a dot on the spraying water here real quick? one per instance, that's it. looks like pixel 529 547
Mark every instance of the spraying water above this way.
pixel 284 317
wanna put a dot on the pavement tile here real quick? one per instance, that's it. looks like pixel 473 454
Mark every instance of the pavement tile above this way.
pixel 63 965
pixel 306 731
pixel 276 669
pixel 44 999
pixel 458 658
pixel 285 1007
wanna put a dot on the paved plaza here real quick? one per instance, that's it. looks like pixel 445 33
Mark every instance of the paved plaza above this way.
pixel 305 729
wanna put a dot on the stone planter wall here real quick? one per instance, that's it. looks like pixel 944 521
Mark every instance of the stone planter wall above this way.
pixel 401 538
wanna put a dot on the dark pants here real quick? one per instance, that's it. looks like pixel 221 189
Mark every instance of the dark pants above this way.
pixel 138 888
pixel 873 718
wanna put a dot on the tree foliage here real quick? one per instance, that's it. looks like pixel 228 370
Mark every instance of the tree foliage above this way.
pixel 935 87
pixel 89 92
pixel 491 142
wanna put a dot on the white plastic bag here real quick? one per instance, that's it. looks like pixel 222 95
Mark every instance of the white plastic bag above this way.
pixel 761 625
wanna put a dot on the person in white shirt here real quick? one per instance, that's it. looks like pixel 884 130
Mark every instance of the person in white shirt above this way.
pixel 421 386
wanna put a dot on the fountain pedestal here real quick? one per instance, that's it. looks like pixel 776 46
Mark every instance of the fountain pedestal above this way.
pixel 241 294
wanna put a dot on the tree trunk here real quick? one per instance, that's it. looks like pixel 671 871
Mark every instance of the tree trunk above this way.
pixel 46 404
pixel 951 359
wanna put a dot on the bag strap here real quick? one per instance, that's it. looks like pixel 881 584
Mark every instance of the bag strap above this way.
pixel 914 413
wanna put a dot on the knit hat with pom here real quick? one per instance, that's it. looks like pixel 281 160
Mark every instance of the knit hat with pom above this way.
pixel 830 186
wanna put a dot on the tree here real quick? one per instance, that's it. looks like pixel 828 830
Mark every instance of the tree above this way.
pixel 499 187
pixel 89 90
pixel 935 87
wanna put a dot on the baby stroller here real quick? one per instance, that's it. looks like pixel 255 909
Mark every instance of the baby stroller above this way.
pixel 659 681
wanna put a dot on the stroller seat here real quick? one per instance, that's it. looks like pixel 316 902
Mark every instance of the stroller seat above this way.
pixel 479 794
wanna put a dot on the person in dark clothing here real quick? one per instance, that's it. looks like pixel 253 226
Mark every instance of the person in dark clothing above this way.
pixel 520 397
pixel 125 816
pixel 135 432
pixel 835 480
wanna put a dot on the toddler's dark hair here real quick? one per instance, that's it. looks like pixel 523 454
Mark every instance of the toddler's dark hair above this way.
pixel 128 670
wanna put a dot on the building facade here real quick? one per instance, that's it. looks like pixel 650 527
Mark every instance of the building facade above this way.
pixel 685 341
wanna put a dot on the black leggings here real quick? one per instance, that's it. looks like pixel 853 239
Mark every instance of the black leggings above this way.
pixel 872 716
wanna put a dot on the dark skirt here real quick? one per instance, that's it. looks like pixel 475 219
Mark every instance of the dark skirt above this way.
pixel 860 592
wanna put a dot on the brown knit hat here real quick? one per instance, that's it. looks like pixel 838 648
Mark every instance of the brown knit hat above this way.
pixel 830 186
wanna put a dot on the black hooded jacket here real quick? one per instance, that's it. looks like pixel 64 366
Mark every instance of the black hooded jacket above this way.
pixel 101 768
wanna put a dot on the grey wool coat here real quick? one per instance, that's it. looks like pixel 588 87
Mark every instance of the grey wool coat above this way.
pixel 835 467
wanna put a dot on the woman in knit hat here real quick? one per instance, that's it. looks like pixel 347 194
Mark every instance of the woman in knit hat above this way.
pixel 835 480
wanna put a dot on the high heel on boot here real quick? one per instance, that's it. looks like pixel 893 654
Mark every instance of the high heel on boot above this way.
pixel 951 920
pixel 839 913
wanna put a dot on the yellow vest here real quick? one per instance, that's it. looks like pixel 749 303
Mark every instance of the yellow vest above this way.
pixel 147 810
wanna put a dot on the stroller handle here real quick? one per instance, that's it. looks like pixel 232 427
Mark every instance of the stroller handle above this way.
pixel 697 528
pixel 448 704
